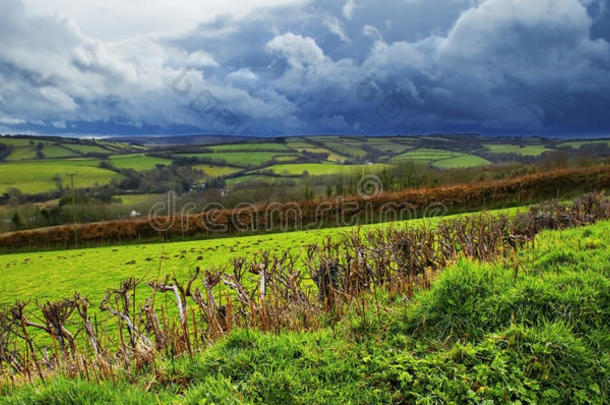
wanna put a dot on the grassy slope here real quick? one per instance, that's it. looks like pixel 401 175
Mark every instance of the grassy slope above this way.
pixel 318 169
pixel 238 158
pixel 527 150
pixel 133 199
pixel 461 161
pixel 37 176
pixel 217 171
pixel 442 158
pixel 578 144
pixel 91 271
pixel 272 146
pixel 481 333
pixel 137 161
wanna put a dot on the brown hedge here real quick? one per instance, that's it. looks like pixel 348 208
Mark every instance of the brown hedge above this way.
pixel 310 214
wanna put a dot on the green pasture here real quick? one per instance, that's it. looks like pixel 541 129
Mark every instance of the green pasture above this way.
pixel 248 147
pixel 217 171
pixel 237 158
pixel 320 169
pixel 466 160
pixel 578 144
pixel 528 329
pixel 523 150
pixel 135 199
pixel 137 161
pixel 55 274
pixel 37 176
pixel 442 158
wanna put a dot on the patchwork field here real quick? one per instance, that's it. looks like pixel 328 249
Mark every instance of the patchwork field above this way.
pixel 442 158
pixel 578 144
pixel 137 161
pixel 37 176
pixel 237 158
pixel 524 150
pixel 217 171
pixel 320 169
pixel 135 199
pixel 250 147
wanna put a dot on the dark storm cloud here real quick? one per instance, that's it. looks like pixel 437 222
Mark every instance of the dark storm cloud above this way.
pixel 494 66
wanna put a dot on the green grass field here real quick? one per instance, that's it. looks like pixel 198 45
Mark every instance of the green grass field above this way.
pixel 386 145
pixel 84 149
pixel 527 150
pixel 578 144
pixel 442 158
pixel 37 176
pixel 217 171
pixel 237 158
pixel 344 146
pixel 135 199
pixel 465 160
pixel 320 169
pixel 23 153
pixel 482 333
pixel 137 161
pixel 54 151
pixel 301 145
pixel 250 147
pixel 91 271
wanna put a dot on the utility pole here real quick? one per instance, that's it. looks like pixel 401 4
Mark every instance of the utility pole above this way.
pixel 74 209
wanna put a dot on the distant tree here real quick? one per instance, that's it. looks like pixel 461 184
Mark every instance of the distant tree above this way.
pixel 5 150
pixel 16 220
pixel 40 146
pixel 14 196
pixel 39 154
pixel 59 182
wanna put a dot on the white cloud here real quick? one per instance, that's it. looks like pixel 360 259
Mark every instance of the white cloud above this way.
pixel 298 68
pixel 348 9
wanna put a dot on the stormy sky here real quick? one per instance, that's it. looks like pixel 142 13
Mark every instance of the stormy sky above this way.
pixel 111 67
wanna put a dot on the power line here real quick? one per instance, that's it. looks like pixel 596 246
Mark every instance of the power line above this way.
pixel 74 209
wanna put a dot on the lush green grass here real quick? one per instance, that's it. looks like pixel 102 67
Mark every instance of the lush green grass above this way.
pixel 217 171
pixel 442 158
pixel 54 151
pixel 344 146
pixel 248 147
pixel 287 158
pixel 137 161
pixel 461 161
pixel 319 169
pixel 426 155
pixel 526 150
pixel 37 176
pixel 23 153
pixel 481 334
pixel 237 158
pixel 578 144
pixel 301 145
pixel 17 142
pixel 84 149
pixel 91 271
pixel 134 199
pixel 386 145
